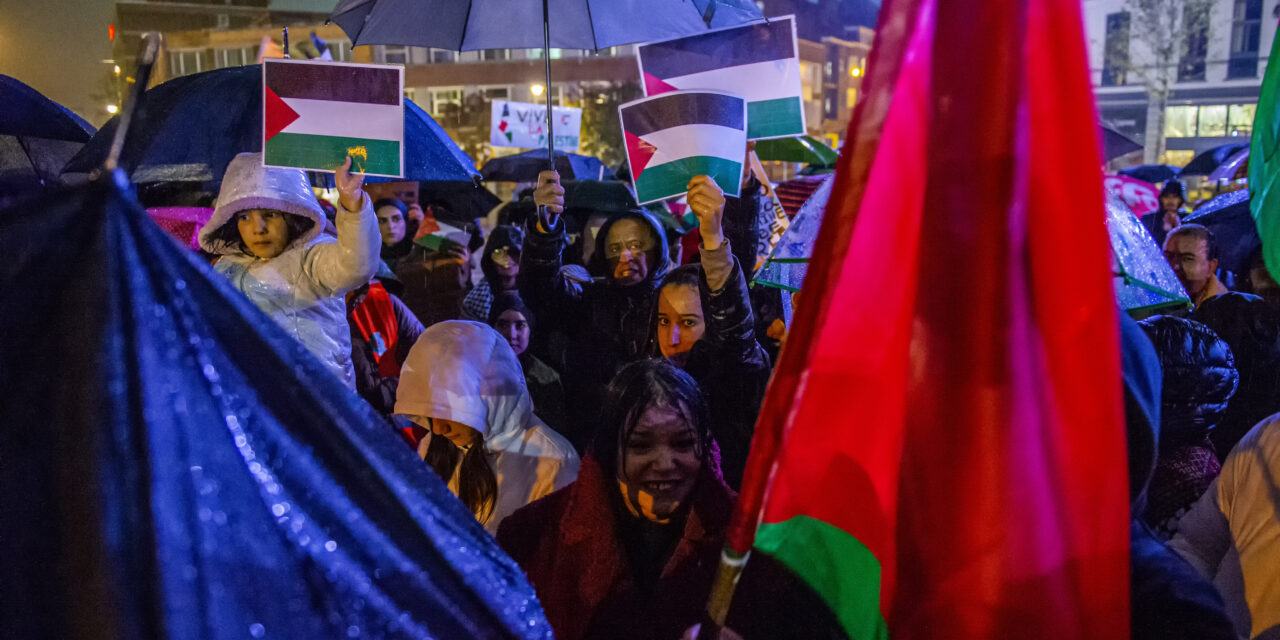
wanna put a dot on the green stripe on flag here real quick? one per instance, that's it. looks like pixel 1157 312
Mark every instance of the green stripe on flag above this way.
pixel 843 571
pixel 671 178
pixel 327 153
pixel 772 118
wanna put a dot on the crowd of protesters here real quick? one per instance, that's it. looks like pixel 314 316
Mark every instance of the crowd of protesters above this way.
pixel 591 390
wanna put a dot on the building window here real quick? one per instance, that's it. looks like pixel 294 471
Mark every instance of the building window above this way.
pixel 1246 27
pixel 1180 122
pixel 1240 119
pixel 442 99
pixel 340 50
pixel 1115 65
pixel 1195 19
pixel 224 58
pixel 1212 122
pixel 850 97
pixel 493 55
pixel 395 54
pixel 827 69
pixel 443 56
pixel 500 93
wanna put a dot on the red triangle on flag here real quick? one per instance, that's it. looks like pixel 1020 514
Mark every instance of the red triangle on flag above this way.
pixel 276 114
pixel 653 85
pixel 639 152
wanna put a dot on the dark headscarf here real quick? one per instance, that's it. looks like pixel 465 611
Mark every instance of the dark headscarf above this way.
pixel 506 301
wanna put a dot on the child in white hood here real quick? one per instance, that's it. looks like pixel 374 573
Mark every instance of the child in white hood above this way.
pixel 463 383
pixel 267 228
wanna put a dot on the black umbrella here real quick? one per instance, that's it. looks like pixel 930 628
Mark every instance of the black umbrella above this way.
pixel 1116 144
pixel 1153 173
pixel 37 137
pixel 1206 161
pixel 177 466
pixel 524 167
pixel 465 201
pixel 1228 217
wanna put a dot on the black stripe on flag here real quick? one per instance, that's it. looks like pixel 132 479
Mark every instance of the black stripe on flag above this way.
pixel 366 85
pixel 731 47
pixel 676 109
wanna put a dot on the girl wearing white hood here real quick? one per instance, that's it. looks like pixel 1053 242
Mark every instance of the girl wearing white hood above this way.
pixel 266 226
pixel 463 383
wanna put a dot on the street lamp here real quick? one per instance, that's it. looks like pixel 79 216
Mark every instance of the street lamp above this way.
pixel 537 90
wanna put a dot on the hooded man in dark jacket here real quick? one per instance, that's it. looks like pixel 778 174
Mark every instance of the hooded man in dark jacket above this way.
pixel 605 320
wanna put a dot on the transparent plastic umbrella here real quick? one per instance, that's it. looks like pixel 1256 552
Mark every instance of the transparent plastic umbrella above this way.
pixel 1144 281
pixel 786 266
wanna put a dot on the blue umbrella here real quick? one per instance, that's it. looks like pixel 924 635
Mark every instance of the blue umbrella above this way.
pixel 191 127
pixel 177 466
pixel 1228 217
pixel 37 137
pixel 467 25
pixel 1143 280
pixel 524 167
pixel 1116 144
pixel 1153 173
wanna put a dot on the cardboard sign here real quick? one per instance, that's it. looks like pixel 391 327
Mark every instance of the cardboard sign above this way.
pixel 524 125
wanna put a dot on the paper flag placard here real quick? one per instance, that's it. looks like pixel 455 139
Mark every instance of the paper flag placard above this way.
pixel 675 136
pixel 759 62
pixel 315 114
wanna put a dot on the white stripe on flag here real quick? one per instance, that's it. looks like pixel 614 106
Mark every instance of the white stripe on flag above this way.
pixel 346 119
pixel 757 81
pixel 696 140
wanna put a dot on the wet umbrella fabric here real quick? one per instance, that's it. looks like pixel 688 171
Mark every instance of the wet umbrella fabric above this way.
pixel 1206 161
pixel 1228 217
pixel 466 201
pixel 1116 144
pixel 1153 173
pixel 1143 279
pixel 468 25
pixel 37 137
pixel 787 265
pixel 191 127
pixel 1233 168
pixel 179 467
pixel 524 167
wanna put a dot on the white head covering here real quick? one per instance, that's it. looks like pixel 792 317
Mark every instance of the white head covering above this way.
pixel 466 372
pixel 250 185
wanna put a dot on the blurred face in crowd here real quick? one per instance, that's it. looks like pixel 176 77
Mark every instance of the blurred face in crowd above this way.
pixel 513 326
pixel 456 432
pixel 507 262
pixel 1170 202
pixel 660 461
pixel 265 232
pixel 1189 257
pixel 680 322
pixel 628 245
pixel 390 225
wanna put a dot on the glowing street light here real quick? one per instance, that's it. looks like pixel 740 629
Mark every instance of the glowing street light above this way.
pixel 113 109
pixel 537 89
pixel 855 72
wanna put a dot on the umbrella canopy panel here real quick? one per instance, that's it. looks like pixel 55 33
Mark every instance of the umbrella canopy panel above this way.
pixel 789 262
pixel 28 113
pixel 805 149
pixel 1143 279
pixel 517 24
pixel 1206 161
pixel 1233 226
pixel 1153 173
pixel 524 167
pixel 1116 144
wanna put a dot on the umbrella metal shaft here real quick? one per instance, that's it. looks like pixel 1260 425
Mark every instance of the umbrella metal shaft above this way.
pixel 546 60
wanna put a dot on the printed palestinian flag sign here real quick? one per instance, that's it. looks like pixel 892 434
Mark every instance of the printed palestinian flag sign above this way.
pixel 760 62
pixel 675 136
pixel 315 114
pixel 434 234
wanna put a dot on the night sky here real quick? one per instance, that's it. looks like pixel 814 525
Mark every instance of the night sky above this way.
pixel 57 46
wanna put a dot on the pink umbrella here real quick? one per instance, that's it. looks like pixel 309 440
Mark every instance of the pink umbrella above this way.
pixel 1141 197
pixel 183 223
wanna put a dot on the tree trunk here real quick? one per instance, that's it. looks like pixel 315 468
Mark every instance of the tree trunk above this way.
pixel 1153 142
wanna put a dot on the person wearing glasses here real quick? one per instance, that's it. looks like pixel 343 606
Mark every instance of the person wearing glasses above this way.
pixel 500 264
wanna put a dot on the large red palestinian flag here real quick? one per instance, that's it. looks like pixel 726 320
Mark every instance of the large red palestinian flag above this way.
pixel 941 453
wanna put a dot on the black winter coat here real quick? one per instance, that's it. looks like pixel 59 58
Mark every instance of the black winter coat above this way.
pixel 605 325
pixel 1252 329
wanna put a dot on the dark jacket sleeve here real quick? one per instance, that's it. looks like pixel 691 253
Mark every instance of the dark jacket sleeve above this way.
pixel 555 300
pixel 742 222
pixel 729 317
pixel 409 328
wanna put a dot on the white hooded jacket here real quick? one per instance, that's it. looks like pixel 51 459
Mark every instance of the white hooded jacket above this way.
pixel 465 372
pixel 302 288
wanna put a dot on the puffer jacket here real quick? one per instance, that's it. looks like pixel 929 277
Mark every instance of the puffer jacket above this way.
pixel 302 288
pixel 465 372
pixel 1169 600
pixel 728 363
pixel 1252 329
pixel 1199 379
pixel 605 325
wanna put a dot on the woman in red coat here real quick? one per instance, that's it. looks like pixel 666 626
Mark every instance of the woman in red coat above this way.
pixel 629 549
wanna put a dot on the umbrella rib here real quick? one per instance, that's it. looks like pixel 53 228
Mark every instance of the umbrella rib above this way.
pixel 34 167
pixel 466 22
pixel 595 42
